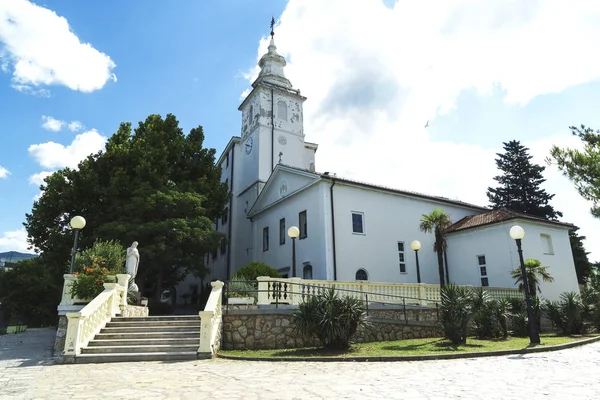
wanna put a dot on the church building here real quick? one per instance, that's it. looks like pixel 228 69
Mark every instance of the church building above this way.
pixel 349 230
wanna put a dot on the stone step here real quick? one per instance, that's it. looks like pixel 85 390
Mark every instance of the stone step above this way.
pixel 152 348
pixel 130 357
pixel 133 324
pixel 165 334
pixel 151 328
pixel 133 342
pixel 158 318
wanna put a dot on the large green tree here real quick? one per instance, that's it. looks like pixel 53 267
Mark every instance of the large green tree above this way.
pixel 437 222
pixel 580 256
pixel 582 166
pixel 154 185
pixel 519 185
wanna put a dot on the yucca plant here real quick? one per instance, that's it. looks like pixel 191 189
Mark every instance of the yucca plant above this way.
pixel 332 319
pixel 490 317
pixel 566 313
pixel 455 312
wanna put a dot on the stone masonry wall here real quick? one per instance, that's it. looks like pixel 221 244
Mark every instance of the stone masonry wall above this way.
pixel 275 329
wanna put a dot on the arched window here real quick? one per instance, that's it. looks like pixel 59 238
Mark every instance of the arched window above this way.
pixel 361 275
pixel 307 272
pixel 282 110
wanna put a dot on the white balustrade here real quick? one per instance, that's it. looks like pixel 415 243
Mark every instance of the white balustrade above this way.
pixel 293 290
pixel 211 320
pixel 85 324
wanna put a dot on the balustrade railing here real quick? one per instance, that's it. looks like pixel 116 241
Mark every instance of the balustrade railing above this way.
pixel 210 321
pixel 85 324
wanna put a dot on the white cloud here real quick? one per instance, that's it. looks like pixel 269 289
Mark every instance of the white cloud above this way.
pixel 374 75
pixel 55 155
pixel 41 49
pixel 75 126
pixel 3 172
pixel 38 179
pixel 14 241
pixel 52 124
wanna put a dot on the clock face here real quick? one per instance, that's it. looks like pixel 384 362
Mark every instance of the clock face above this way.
pixel 248 145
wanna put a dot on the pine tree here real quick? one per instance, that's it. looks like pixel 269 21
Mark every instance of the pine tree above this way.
pixel 580 256
pixel 519 186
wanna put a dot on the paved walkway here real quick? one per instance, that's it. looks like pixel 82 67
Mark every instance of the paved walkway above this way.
pixel 26 372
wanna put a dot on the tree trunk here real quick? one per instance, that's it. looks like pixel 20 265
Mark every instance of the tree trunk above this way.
pixel 440 255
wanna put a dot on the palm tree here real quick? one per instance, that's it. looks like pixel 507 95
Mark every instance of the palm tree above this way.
pixel 536 273
pixel 437 222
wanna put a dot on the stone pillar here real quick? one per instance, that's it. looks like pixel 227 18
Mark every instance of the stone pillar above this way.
pixel 295 291
pixel 422 294
pixel 72 345
pixel 263 290
pixel 66 299
pixel 123 280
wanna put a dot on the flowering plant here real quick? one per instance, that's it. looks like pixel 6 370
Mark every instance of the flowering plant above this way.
pixel 90 281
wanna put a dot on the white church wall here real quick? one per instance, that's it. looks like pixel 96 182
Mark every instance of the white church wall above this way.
pixel 501 256
pixel 388 219
pixel 283 184
pixel 308 250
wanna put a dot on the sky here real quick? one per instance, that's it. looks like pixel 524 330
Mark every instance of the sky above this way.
pixel 375 72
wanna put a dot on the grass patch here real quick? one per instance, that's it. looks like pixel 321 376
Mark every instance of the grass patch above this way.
pixel 409 347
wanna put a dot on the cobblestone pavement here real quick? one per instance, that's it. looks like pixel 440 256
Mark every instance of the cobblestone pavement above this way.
pixel 26 372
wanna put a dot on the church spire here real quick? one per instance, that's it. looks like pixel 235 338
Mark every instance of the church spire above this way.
pixel 271 65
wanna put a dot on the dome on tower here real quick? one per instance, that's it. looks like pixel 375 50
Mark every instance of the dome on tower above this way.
pixel 271 68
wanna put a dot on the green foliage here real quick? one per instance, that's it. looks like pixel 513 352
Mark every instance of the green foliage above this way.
pixel 241 289
pixel 517 316
pixel 582 166
pixel 29 294
pixel 536 273
pixel 437 222
pixel 580 256
pixel 332 319
pixel 590 297
pixel 456 310
pixel 519 185
pixel 253 270
pixel 106 254
pixel 567 313
pixel 156 307
pixel 490 317
pixel 154 185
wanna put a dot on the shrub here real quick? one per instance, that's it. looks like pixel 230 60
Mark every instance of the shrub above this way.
pixel 566 313
pixel 332 319
pixel 241 289
pixel 455 312
pixel 490 317
pixel 250 272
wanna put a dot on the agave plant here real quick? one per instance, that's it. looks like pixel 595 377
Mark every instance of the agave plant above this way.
pixel 332 319
pixel 455 312
pixel 566 313
pixel 490 317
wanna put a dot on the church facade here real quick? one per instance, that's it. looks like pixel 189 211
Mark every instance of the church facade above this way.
pixel 354 230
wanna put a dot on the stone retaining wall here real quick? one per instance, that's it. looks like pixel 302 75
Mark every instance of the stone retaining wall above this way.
pixel 275 329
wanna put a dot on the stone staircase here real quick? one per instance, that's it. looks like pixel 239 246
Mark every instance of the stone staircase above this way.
pixel 163 338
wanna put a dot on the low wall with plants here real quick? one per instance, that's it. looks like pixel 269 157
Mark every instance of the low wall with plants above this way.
pixel 255 329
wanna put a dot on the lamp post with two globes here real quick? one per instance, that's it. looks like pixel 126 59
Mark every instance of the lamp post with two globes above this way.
pixel 77 223
pixel 517 233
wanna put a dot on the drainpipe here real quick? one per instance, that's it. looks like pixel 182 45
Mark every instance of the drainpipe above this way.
pixel 272 132
pixel 229 228
pixel 333 229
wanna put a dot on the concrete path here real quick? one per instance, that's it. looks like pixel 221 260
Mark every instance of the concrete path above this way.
pixel 26 372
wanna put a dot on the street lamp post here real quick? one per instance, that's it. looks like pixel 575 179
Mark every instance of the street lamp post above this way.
pixel 293 233
pixel 77 223
pixel 416 246
pixel 517 233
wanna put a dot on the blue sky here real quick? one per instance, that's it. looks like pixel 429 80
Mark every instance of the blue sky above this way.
pixel 374 72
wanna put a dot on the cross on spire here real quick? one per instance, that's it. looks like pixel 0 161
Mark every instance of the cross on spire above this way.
pixel 272 25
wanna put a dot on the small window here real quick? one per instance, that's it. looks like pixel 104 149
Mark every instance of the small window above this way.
pixel 361 275
pixel 303 225
pixel 401 258
pixel 217 224
pixel 481 263
pixel 224 216
pixel 546 244
pixel 282 110
pixel 266 238
pixel 214 254
pixel 227 160
pixel 250 115
pixel 282 232
pixel 357 223
pixel 223 246
pixel 307 272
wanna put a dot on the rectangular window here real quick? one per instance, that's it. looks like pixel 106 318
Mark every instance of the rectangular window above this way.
pixel 546 244
pixel 358 222
pixel 217 224
pixel 223 246
pixel 282 232
pixel 227 161
pixel 303 225
pixel 482 264
pixel 307 272
pixel 214 254
pixel 401 258
pixel 224 216
pixel 227 183
pixel 266 238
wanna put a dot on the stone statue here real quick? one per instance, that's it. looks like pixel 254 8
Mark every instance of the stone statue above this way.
pixel 132 263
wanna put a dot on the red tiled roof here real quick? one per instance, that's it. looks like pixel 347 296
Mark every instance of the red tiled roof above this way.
pixel 495 216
